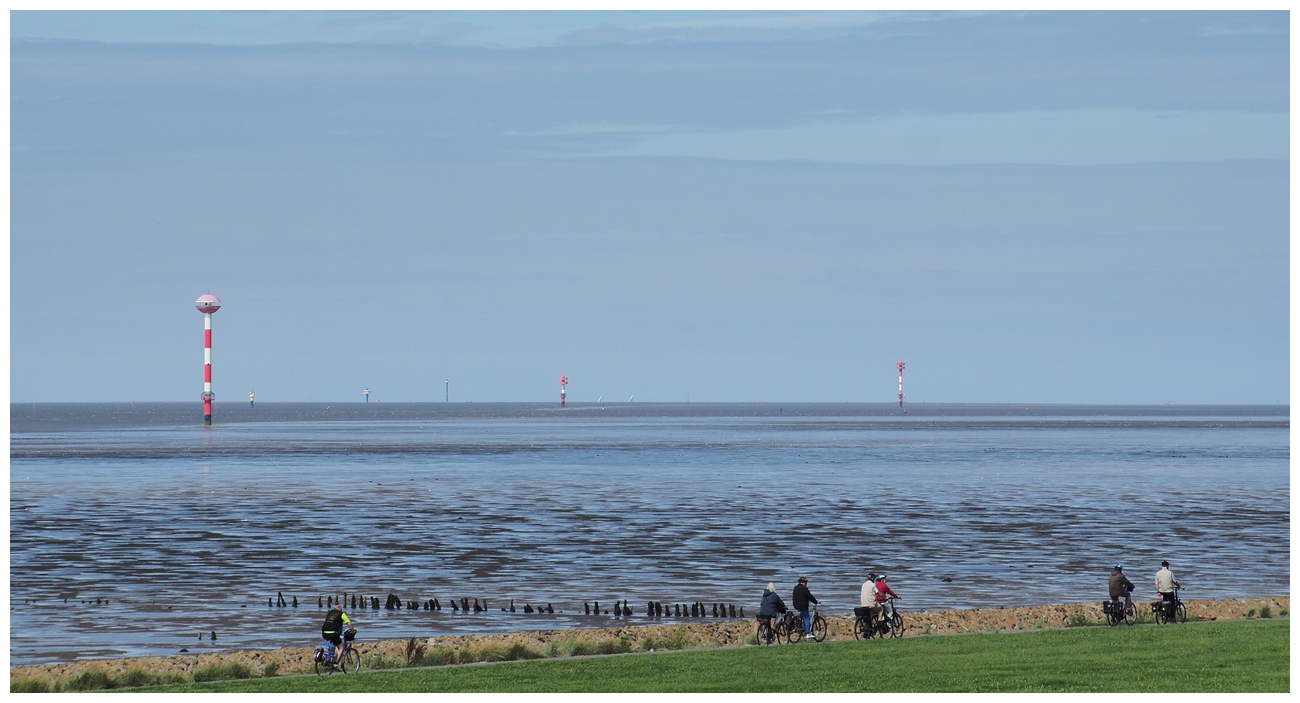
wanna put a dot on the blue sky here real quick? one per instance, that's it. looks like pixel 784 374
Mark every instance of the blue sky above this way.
pixel 1025 207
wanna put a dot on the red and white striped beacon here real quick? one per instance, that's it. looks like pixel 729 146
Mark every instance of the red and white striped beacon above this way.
pixel 207 304
pixel 564 381
pixel 900 384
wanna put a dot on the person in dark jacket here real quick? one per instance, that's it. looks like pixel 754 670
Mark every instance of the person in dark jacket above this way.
pixel 802 597
pixel 772 604
pixel 1120 586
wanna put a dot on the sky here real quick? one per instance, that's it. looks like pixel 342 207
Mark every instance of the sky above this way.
pixel 1037 207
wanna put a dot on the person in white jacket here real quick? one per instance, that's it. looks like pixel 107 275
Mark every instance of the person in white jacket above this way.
pixel 869 591
pixel 869 596
pixel 1166 583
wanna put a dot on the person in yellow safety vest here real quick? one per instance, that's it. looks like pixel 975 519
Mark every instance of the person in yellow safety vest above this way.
pixel 331 630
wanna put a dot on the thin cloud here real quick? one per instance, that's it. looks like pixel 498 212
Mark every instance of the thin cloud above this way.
pixel 602 128
pixel 740 26
pixel 1065 137
pixel 1241 31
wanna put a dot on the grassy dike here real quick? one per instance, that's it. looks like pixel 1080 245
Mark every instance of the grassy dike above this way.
pixel 1235 656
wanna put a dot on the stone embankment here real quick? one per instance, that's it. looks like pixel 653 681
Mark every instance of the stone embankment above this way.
pixel 723 633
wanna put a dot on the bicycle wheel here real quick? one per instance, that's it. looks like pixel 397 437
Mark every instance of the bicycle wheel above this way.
pixel 861 631
pixel 321 666
pixel 1158 610
pixel 819 629
pixel 1180 614
pixel 794 629
pixel 896 626
pixel 351 663
pixel 764 633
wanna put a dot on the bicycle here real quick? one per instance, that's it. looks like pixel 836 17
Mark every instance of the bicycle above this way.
pixel 349 661
pixel 1116 612
pixel 819 626
pixel 1171 611
pixel 785 627
pixel 890 623
pixel 862 629
pixel 790 628
pixel 796 627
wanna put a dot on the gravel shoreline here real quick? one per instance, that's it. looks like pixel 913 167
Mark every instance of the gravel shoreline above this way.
pixel 728 633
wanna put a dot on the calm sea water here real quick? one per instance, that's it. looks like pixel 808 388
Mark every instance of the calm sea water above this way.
pixel 182 529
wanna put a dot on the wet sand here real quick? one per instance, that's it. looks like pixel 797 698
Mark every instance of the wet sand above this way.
pixel 700 633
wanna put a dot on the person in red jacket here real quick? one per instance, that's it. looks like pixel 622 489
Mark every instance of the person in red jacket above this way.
pixel 883 592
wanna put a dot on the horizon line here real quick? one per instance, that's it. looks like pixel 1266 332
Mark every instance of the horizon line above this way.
pixel 655 402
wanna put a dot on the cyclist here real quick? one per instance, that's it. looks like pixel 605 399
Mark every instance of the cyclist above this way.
pixel 772 604
pixel 882 595
pixel 1121 586
pixel 802 596
pixel 331 630
pixel 1166 583
pixel 868 599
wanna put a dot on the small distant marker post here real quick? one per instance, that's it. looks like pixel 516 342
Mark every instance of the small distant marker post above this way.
pixel 900 384
pixel 564 381
pixel 367 392
pixel 250 399
pixel 446 390
pixel 207 304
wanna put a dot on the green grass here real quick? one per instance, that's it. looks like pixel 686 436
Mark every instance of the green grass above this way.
pixel 1220 656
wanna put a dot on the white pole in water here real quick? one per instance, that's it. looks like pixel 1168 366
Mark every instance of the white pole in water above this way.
pixel 446 390
pixel 207 304
pixel 900 384
pixel 564 381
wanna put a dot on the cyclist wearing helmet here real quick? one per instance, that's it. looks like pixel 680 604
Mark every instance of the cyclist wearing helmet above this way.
pixel 802 596
pixel 331 630
pixel 869 591
pixel 869 596
pixel 882 595
pixel 1120 586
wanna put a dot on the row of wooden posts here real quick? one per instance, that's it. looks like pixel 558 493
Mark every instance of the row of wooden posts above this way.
pixel 654 609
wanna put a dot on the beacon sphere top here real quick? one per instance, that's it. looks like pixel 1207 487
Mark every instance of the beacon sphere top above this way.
pixel 208 304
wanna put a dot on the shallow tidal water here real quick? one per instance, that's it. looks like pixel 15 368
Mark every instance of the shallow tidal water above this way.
pixel 185 530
